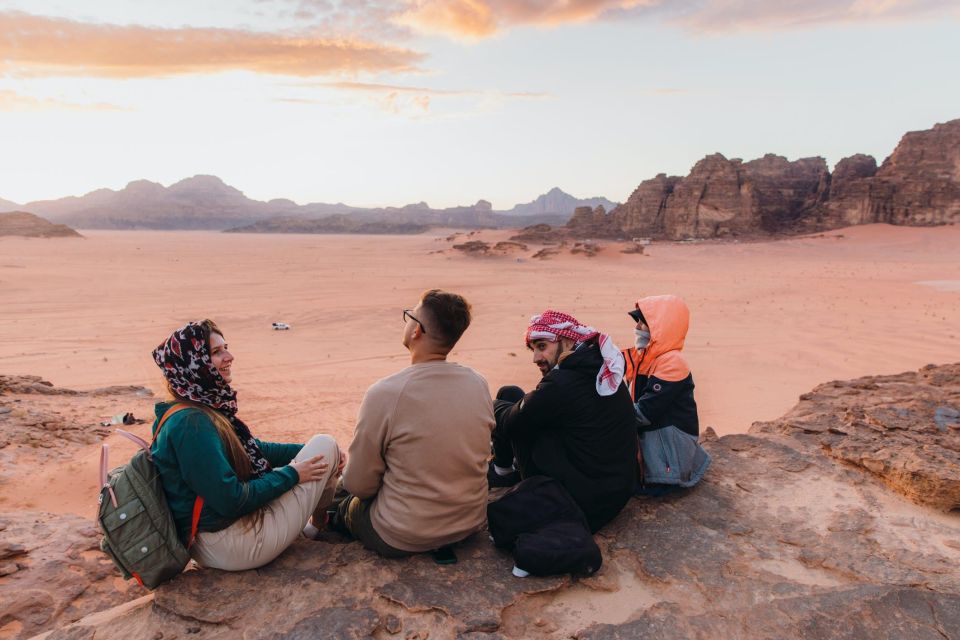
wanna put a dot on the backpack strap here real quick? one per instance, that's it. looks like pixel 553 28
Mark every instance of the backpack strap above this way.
pixel 180 406
pixel 140 442
pixel 104 480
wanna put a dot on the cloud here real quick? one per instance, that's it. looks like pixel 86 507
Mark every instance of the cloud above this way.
pixel 411 100
pixel 33 46
pixel 12 101
pixel 394 88
pixel 481 18
pixel 474 19
pixel 720 16
pixel 391 88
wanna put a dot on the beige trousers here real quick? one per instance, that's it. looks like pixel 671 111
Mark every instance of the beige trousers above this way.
pixel 244 546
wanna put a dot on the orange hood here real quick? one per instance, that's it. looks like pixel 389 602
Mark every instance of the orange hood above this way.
pixel 668 318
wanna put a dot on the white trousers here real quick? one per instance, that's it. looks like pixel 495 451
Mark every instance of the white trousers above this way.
pixel 244 546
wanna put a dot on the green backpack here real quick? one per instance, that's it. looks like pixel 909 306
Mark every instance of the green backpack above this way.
pixel 139 533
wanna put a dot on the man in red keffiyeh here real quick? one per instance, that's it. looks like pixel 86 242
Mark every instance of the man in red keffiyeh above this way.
pixel 576 426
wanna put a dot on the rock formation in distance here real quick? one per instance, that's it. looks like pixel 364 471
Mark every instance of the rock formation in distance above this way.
pixel 919 184
pixel 21 223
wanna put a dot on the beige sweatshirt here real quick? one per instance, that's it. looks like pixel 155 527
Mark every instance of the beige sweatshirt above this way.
pixel 421 446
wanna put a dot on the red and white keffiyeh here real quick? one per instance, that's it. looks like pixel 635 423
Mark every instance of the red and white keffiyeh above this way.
pixel 553 325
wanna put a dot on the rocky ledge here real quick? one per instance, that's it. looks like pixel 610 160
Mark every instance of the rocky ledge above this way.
pixel 837 521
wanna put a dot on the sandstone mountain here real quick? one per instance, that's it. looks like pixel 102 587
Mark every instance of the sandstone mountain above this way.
pixel 200 202
pixel 838 521
pixel 6 205
pixel 919 184
pixel 21 223
pixel 206 202
pixel 559 203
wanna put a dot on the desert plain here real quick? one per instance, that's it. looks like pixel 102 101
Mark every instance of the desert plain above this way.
pixel 770 320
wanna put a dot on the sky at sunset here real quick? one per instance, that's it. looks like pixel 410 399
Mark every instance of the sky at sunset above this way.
pixel 372 102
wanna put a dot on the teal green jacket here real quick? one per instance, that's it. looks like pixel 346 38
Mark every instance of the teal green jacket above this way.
pixel 192 461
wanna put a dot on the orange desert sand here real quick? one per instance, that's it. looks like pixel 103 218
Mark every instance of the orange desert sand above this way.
pixel 770 320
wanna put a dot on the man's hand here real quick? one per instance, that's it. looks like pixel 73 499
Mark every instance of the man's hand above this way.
pixel 313 469
pixel 342 464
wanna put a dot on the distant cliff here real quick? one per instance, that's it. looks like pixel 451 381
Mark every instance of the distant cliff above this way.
pixel 21 223
pixel 559 203
pixel 206 202
pixel 200 202
pixel 919 184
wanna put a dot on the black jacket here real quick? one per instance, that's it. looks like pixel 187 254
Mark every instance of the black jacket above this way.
pixel 661 403
pixel 565 430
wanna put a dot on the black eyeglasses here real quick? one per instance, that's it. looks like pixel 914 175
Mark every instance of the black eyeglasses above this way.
pixel 407 314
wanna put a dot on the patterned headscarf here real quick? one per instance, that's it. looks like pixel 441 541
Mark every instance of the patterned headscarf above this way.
pixel 185 360
pixel 553 325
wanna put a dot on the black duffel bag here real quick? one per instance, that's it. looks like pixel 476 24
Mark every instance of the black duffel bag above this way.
pixel 544 528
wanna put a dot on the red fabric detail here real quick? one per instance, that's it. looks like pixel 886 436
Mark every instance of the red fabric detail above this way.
pixel 559 325
pixel 195 520
pixel 136 576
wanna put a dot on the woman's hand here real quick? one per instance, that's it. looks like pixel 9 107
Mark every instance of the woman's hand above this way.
pixel 313 469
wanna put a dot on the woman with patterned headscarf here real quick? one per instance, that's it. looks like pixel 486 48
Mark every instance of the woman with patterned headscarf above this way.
pixel 253 498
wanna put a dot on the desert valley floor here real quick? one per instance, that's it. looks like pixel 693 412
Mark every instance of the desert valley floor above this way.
pixel 769 320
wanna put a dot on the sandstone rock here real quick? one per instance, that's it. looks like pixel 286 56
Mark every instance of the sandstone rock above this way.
pixel 62 574
pixel 785 193
pixel 508 246
pixel 724 197
pixel 539 234
pixel 334 622
pixel 546 253
pixel 10 549
pixel 59 415
pixel 474 247
pixel 899 427
pixel 853 614
pixel 593 223
pixel 643 214
pixel 919 184
pixel 589 249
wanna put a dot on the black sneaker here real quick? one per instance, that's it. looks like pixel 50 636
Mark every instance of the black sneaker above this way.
pixel 494 479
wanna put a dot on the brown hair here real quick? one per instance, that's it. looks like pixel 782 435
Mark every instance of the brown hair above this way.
pixel 449 314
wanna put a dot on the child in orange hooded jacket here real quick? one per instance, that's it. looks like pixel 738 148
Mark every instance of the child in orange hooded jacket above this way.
pixel 661 385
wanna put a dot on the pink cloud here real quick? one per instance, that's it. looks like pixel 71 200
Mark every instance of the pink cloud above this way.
pixel 756 15
pixel 42 46
pixel 482 18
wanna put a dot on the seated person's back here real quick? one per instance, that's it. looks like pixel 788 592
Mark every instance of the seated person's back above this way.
pixel 423 437
pixel 417 465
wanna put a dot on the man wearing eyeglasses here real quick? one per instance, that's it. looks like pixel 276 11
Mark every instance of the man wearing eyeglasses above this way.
pixel 416 470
